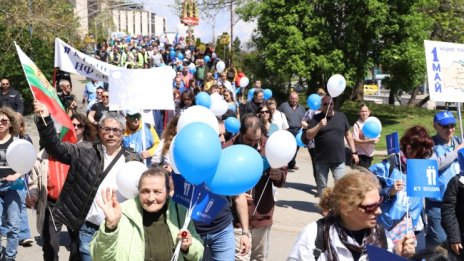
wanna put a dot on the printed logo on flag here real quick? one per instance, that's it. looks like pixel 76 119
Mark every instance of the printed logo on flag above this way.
pixel 183 190
pixel 393 145
pixel 207 206
pixel 421 178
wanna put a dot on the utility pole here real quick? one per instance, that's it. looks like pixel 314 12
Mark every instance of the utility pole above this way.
pixel 231 29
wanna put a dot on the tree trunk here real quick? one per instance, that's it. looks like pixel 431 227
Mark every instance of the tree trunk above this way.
pixel 391 97
pixel 358 95
pixel 423 101
pixel 413 96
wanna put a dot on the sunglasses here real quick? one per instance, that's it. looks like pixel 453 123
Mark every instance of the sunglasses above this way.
pixel 372 208
pixel 327 103
pixel 4 121
pixel 105 96
pixel 134 117
pixel 449 126
pixel 78 125
pixel 263 112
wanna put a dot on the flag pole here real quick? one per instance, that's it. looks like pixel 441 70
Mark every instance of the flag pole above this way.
pixel 33 95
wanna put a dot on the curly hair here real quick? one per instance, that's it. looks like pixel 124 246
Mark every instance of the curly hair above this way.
pixel 14 122
pixel 416 143
pixel 90 132
pixel 350 189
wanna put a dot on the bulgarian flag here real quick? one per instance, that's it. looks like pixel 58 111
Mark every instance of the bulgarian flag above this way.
pixel 46 94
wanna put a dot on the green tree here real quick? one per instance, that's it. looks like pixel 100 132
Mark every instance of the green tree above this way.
pixel 34 29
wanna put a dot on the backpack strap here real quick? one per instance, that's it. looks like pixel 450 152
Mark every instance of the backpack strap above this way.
pixel 319 241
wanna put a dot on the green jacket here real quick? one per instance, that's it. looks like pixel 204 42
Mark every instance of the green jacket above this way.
pixel 127 242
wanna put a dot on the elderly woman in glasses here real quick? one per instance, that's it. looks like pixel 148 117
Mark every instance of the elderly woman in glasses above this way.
pixel 351 224
pixel 402 214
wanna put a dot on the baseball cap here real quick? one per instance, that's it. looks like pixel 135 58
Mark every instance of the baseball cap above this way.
pixel 444 118
pixel 132 112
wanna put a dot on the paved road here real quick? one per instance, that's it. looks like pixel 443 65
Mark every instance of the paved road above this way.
pixel 296 205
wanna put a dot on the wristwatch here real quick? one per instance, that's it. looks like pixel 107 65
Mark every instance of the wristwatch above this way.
pixel 354 153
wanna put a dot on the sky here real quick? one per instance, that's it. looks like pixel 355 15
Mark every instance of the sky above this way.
pixel 204 31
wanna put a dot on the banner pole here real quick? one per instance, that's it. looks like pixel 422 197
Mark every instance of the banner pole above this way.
pixel 460 121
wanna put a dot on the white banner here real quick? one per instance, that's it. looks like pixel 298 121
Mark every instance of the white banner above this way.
pixel 71 60
pixel 141 89
pixel 445 71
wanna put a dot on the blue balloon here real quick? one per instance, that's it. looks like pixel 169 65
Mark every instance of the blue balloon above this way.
pixel 180 56
pixel 172 54
pixel 371 129
pixel 203 99
pixel 250 94
pixel 232 125
pixel 197 152
pixel 207 59
pixel 267 94
pixel 239 170
pixel 171 48
pixel 216 76
pixel 192 70
pixel 299 142
pixel 314 102
pixel 232 107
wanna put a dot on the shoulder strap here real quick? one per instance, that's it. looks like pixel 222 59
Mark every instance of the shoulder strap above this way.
pixel 107 170
pixel 319 242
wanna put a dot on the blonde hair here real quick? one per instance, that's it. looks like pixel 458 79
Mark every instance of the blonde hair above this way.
pixel 350 189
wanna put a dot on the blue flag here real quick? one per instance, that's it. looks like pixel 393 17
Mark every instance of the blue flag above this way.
pixel 421 178
pixel 208 206
pixel 183 190
pixel 377 253
pixel 393 145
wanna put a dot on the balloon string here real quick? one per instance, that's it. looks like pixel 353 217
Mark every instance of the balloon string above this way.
pixel 261 196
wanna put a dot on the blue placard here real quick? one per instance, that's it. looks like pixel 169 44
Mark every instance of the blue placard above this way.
pixel 207 206
pixel 421 178
pixel 393 144
pixel 377 253
pixel 183 190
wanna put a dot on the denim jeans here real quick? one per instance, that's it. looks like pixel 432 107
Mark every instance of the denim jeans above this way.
pixel 221 245
pixel 10 206
pixel 86 233
pixel 435 232
pixel 24 231
pixel 322 173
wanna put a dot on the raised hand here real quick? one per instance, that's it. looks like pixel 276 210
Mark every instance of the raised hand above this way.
pixel 110 207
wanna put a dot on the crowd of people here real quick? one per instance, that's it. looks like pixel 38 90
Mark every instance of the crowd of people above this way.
pixel 367 207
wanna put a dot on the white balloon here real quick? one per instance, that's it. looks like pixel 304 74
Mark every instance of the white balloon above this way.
pixel 219 107
pixel 280 148
pixel 172 162
pixel 336 85
pixel 220 66
pixel 21 156
pixel 192 66
pixel 128 178
pixel 198 114
pixel 216 96
pixel 244 81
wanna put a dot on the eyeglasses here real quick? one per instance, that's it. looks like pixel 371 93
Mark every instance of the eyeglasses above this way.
pixel 372 208
pixel 263 112
pixel 449 126
pixel 108 130
pixel 4 121
pixel 78 125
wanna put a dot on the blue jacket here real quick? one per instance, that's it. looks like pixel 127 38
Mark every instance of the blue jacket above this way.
pixel 395 208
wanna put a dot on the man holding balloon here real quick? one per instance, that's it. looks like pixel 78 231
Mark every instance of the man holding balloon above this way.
pixel 329 130
pixel 260 198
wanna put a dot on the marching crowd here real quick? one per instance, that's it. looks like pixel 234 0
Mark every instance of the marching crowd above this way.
pixel 367 207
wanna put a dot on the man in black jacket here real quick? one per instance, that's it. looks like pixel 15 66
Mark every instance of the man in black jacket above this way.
pixel 11 97
pixel 92 168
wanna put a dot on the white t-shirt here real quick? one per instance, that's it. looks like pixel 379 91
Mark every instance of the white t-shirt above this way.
pixel 280 120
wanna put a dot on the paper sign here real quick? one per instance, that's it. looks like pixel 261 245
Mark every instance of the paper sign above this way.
pixel 393 144
pixel 377 253
pixel 421 178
